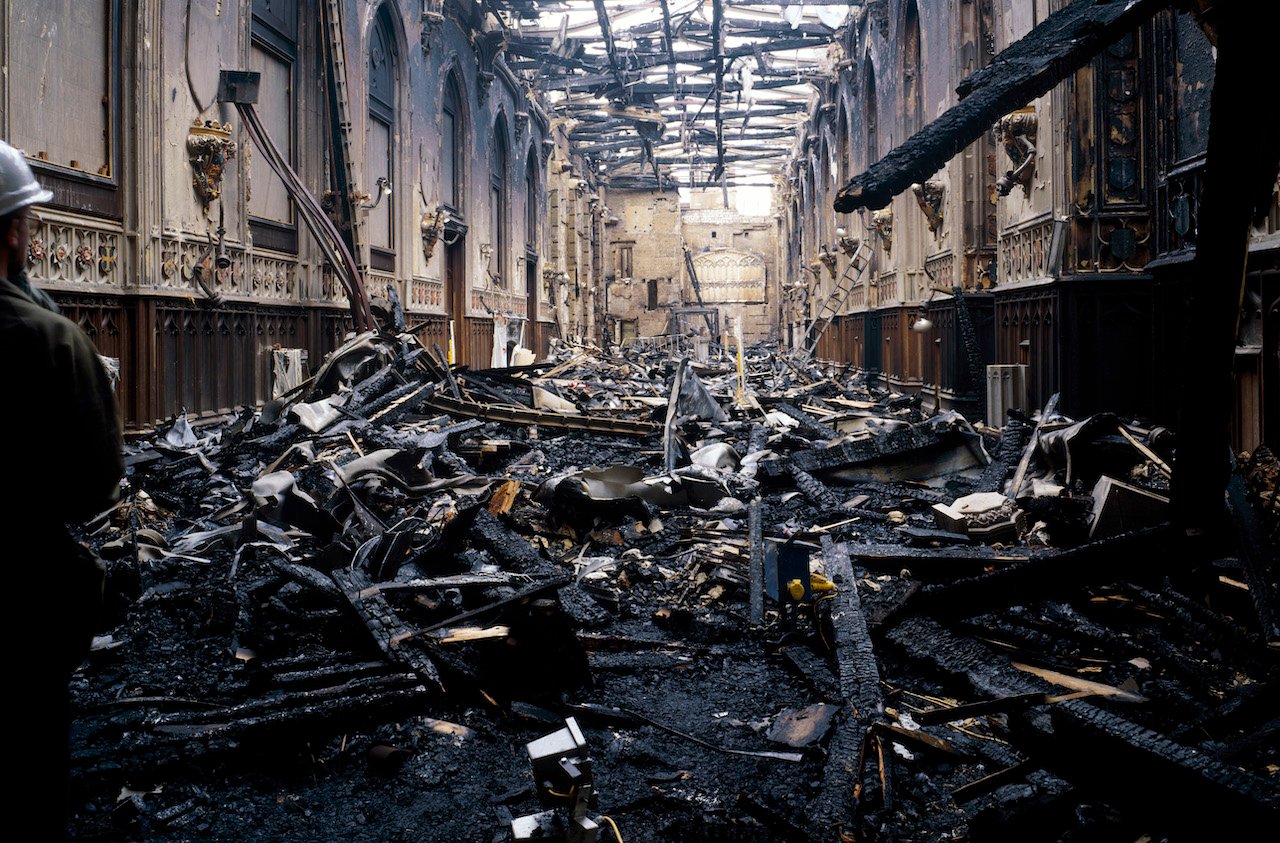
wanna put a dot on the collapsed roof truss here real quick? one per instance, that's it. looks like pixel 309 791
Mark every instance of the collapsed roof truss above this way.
pixel 680 92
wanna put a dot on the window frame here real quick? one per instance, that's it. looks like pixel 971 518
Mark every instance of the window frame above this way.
pixel 625 258
pixel 532 183
pixel 76 190
pixel 386 113
pixel 267 31
pixel 452 95
pixel 499 196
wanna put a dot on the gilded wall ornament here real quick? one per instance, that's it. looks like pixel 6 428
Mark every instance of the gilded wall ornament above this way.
pixel 882 224
pixel 432 230
pixel 209 146
pixel 828 259
pixel 106 259
pixel 929 197
pixel 1016 132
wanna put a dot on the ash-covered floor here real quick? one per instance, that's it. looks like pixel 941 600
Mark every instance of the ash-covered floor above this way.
pixel 345 616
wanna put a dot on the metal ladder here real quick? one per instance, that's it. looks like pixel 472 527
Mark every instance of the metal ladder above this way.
pixel 858 265
pixel 336 47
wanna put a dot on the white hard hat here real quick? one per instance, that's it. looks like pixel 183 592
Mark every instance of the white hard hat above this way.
pixel 18 185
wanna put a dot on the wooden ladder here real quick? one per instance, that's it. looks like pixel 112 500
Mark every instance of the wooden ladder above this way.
pixel 336 50
pixel 849 279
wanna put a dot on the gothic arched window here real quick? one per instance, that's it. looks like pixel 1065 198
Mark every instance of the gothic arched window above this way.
pixel 380 149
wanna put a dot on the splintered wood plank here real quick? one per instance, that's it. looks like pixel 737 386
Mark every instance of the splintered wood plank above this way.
pixel 504 497
pixel 859 679
pixel 1075 683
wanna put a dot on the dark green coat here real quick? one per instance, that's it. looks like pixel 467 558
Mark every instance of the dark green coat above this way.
pixel 59 426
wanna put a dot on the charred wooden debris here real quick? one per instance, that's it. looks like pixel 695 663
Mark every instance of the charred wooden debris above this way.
pixel 786 608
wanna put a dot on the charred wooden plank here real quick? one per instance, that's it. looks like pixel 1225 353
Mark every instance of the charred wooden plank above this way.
pixel 513 550
pixel 522 416
pixel 859 677
pixel 284 705
pixel 986 784
pixel 808 424
pixel 392 636
pixel 176 743
pixel 869 450
pixel 1194 615
pixel 1143 551
pixel 813 670
pixel 1024 70
pixel 1142 768
pixel 523 594
pixel 813 489
pixel 905 491
pixel 1244 706
pixel 1028 453
pixel 1259 563
pixel 755 534
pixel 935 563
pixel 773 815
pixel 581 607
pixel 1000 705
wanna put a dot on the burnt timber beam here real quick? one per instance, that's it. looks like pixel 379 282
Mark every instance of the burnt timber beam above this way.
pixel 1148 552
pixel 669 43
pixel 859 678
pixel 1241 161
pixel 610 48
pixel 694 30
pixel 717 37
pixel 388 630
pixel 525 416
pixel 814 489
pixel 1029 68
pixel 160 745
pixel 707 57
pixel 924 564
pixel 723 157
pixel 1259 562
pixel 1127 764
pixel 218 719
pixel 859 452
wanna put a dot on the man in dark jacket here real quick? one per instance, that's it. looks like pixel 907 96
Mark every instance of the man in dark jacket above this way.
pixel 60 431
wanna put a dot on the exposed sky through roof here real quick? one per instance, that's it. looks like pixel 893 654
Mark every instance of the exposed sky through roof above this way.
pixel 699 91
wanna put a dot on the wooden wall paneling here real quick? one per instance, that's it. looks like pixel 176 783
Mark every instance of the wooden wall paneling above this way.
pixel 1106 338
pixel 1030 317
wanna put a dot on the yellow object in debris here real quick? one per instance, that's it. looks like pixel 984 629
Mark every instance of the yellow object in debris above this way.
pixel 795 588
pixel 818 584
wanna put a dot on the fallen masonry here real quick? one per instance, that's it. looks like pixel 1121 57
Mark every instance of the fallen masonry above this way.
pixel 415 601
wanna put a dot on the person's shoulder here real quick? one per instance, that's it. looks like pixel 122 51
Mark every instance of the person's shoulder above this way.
pixel 22 320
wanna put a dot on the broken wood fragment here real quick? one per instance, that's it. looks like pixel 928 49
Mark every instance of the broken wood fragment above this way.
pixel 1155 776
pixel 755 531
pixel 1107 560
pixel 914 736
pixel 390 633
pixel 833 809
pixel 504 497
pixel 1001 705
pixel 981 787
pixel 1260 564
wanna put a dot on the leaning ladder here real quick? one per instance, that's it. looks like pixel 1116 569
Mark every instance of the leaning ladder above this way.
pixel 849 279
pixel 336 47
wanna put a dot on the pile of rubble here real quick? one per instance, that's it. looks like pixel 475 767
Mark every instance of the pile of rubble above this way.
pixel 775 604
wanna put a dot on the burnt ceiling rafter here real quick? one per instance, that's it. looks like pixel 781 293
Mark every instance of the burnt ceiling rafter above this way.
pixel 683 91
